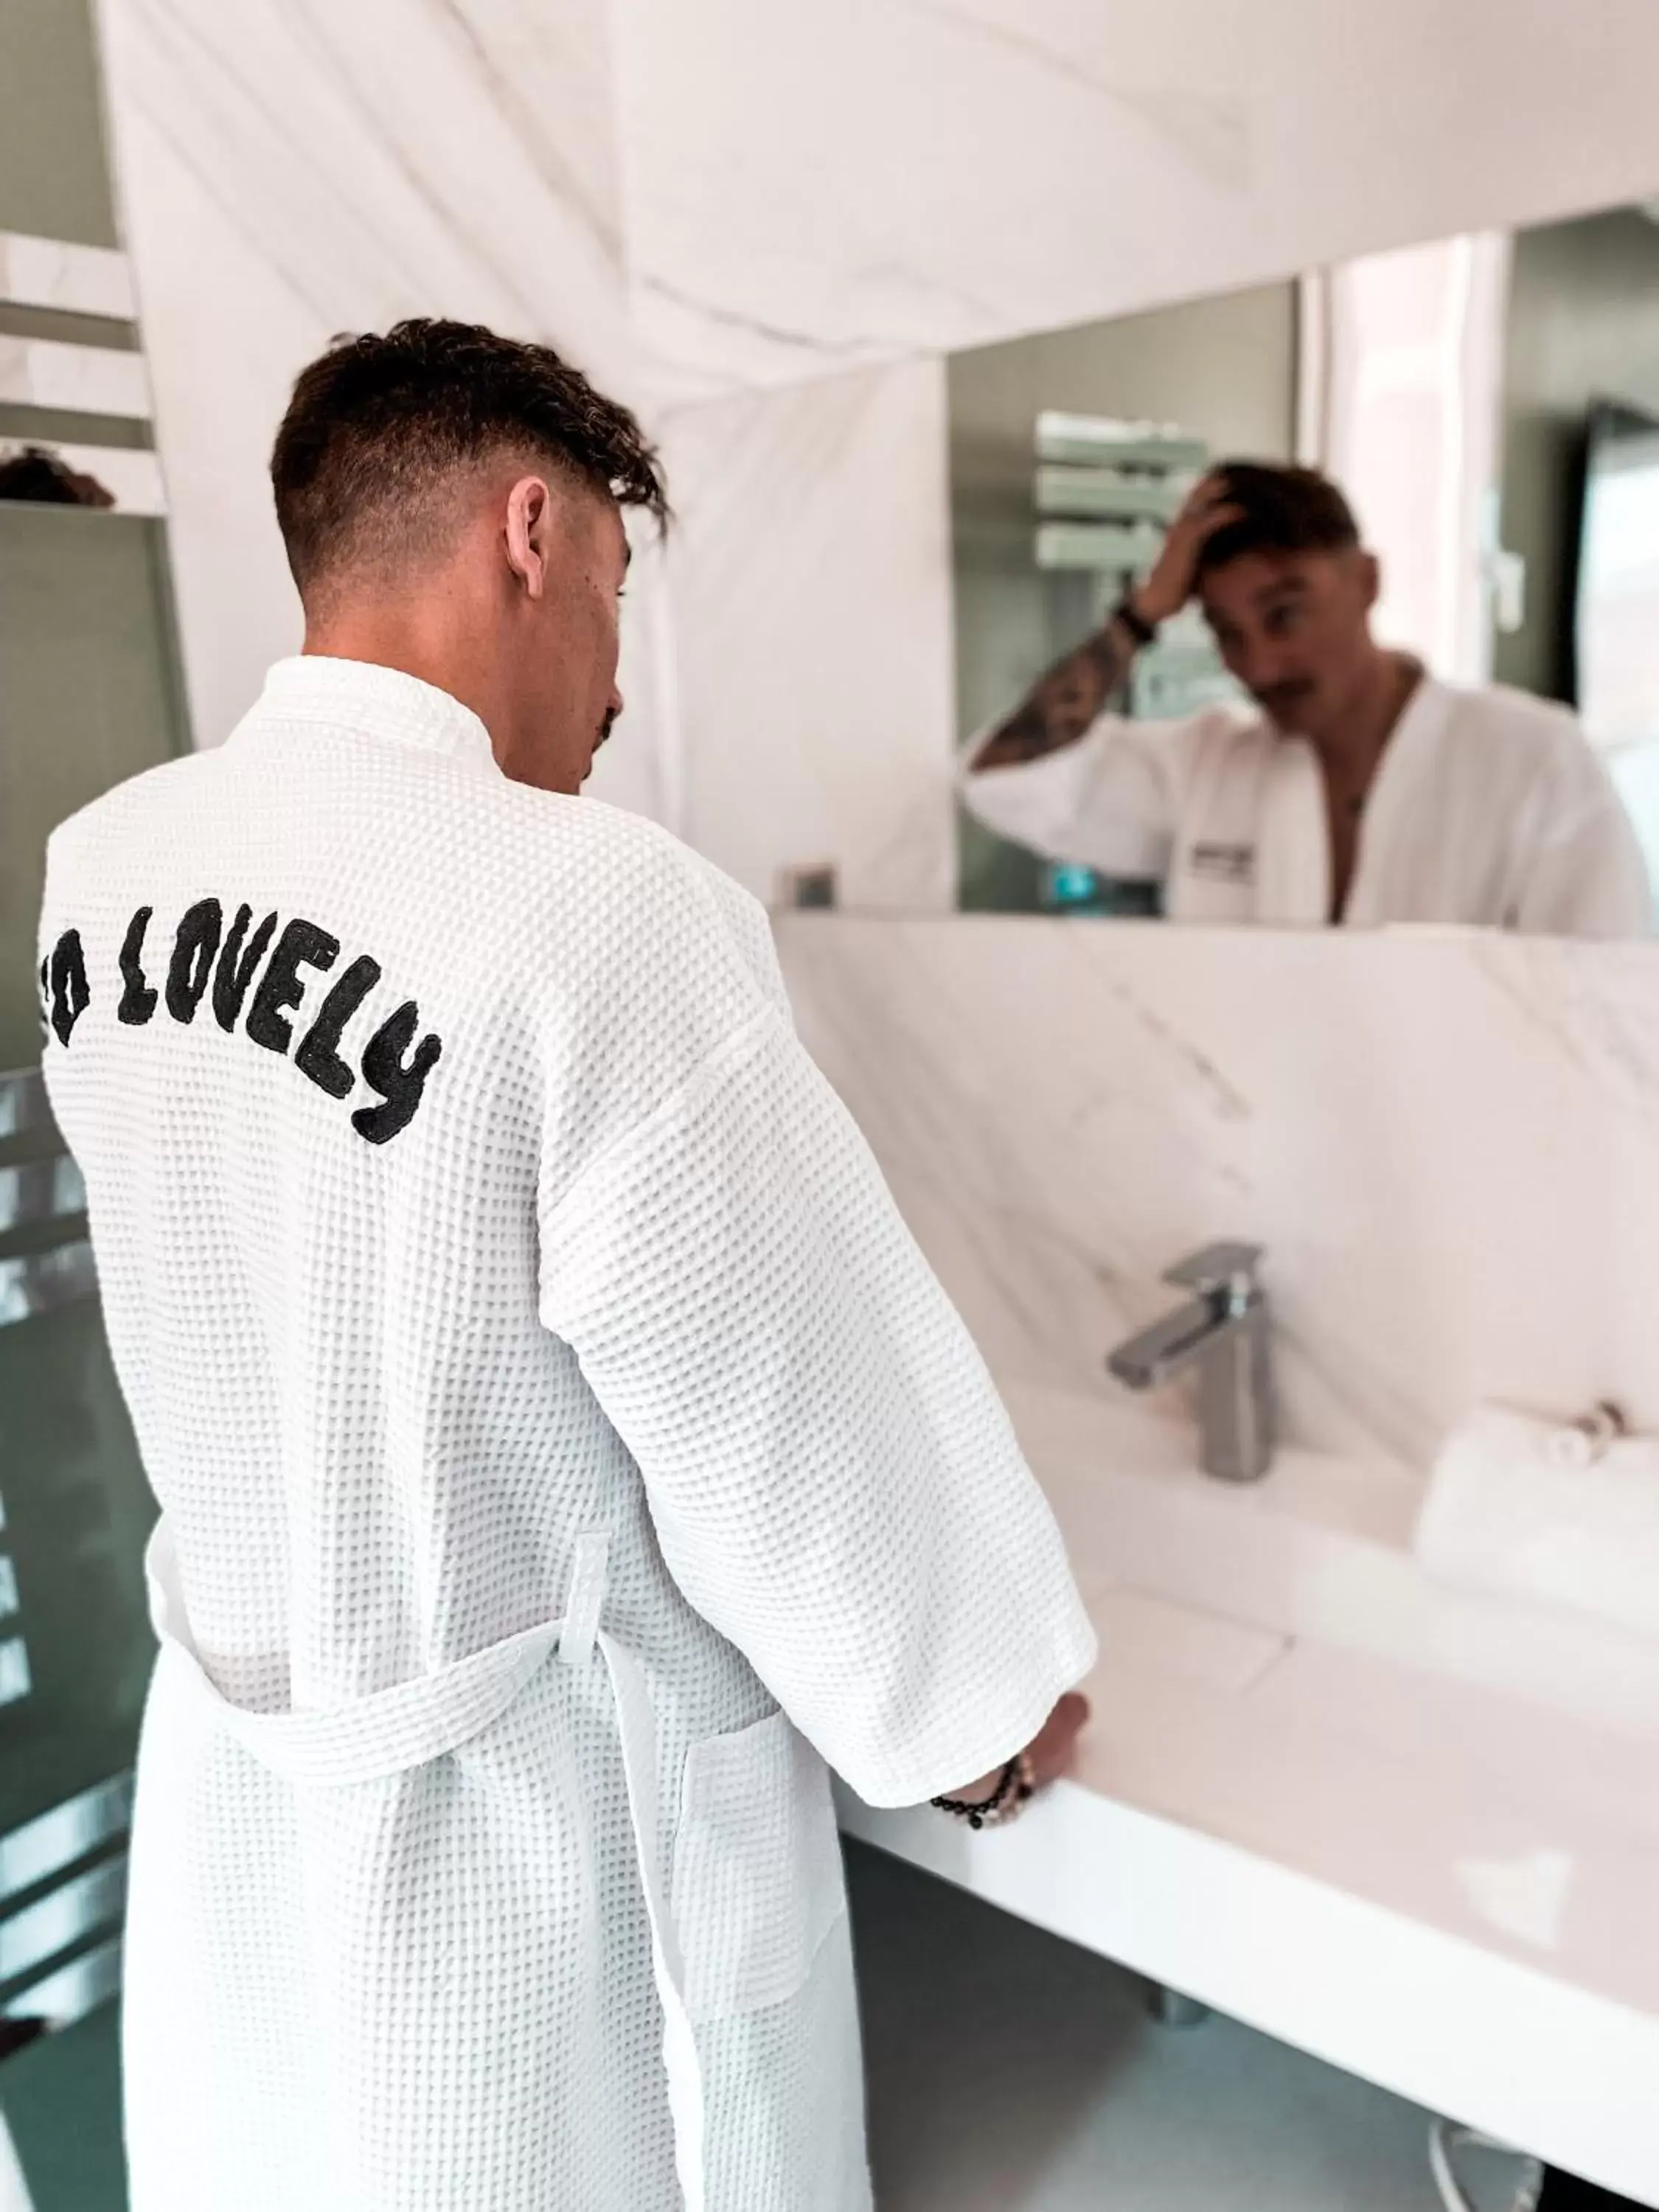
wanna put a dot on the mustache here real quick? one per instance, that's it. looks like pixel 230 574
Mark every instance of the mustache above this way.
pixel 1279 696
pixel 604 729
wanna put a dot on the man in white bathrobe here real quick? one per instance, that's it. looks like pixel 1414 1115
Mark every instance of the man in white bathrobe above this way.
pixel 1358 790
pixel 563 1451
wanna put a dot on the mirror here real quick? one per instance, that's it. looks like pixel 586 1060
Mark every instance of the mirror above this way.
pixel 1402 668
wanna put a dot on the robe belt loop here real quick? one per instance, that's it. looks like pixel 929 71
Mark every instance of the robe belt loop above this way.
pixel 589 1571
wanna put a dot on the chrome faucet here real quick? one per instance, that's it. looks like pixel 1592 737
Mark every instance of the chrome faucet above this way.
pixel 1224 1332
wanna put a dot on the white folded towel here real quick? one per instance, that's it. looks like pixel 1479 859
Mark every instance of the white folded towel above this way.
pixel 1509 1509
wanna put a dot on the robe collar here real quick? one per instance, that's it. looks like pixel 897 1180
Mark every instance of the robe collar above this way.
pixel 377 702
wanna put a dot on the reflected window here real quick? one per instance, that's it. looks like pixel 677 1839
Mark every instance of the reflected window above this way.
pixel 1618 609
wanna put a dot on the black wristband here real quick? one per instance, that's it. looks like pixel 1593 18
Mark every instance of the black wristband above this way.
pixel 1132 620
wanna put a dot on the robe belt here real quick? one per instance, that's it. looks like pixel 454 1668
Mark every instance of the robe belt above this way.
pixel 391 1731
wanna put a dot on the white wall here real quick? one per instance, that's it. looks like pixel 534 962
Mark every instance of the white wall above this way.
pixel 811 594
pixel 812 185
pixel 288 171
pixel 1443 1139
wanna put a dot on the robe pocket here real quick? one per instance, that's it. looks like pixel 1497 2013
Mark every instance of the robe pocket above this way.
pixel 757 1874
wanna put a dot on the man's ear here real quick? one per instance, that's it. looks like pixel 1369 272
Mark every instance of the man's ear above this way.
pixel 529 533
pixel 1370 580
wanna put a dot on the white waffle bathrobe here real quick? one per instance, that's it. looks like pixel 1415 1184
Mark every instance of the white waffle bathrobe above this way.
pixel 563 1452
pixel 1490 810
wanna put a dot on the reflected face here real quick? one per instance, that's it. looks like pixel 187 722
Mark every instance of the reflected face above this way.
pixel 1294 628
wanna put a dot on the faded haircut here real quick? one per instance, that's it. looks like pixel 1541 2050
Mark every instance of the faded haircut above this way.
pixel 380 423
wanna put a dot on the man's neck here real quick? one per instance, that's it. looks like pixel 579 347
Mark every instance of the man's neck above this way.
pixel 1351 750
pixel 414 642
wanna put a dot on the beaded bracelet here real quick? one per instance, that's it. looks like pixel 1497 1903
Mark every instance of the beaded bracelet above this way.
pixel 1015 1786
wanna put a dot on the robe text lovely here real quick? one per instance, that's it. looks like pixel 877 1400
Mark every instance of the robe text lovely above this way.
pixel 207 960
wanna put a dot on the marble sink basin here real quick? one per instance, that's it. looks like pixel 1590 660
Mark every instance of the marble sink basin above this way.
pixel 1223 1579
pixel 1412 1831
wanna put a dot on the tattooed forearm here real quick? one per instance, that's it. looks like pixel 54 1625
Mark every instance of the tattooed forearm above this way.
pixel 1064 703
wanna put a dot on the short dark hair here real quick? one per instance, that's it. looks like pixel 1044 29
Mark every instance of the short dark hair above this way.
pixel 1286 510
pixel 383 417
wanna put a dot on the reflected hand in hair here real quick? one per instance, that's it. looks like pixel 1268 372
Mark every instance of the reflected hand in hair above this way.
pixel 1065 703
pixel 1209 507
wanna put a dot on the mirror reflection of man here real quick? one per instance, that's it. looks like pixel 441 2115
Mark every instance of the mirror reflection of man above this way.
pixel 1359 789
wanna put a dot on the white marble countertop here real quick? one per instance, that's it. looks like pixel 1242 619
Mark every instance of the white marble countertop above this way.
pixel 1412 1832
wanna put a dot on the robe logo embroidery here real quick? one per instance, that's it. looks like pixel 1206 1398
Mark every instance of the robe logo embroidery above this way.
pixel 1227 864
pixel 208 961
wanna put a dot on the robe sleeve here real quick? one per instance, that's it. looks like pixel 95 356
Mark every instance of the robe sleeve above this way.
pixel 1110 801
pixel 1586 875
pixel 834 1481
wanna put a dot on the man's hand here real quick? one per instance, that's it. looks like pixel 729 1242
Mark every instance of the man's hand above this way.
pixel 1063 705
pixel 1209 507
pixel 1049 1751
